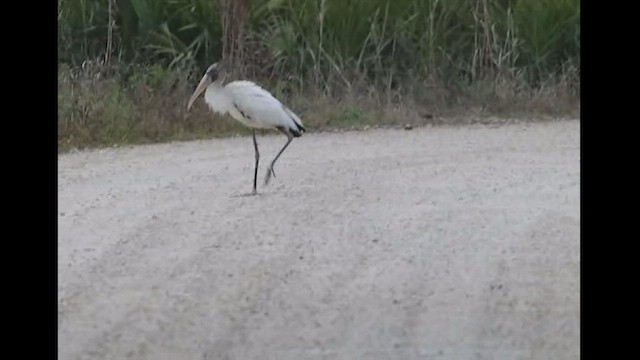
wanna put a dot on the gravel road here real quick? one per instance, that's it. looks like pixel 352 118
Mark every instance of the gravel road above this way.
pixel 435 243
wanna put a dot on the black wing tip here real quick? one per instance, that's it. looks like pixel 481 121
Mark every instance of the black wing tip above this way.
pixel 297 132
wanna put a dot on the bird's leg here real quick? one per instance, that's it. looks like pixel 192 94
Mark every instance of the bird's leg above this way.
pixel 255 173
pixel 270 169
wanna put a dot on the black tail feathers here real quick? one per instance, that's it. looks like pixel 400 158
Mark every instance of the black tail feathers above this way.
pixel 297 132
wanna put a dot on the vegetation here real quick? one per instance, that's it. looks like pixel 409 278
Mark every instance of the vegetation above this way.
pixel 127 67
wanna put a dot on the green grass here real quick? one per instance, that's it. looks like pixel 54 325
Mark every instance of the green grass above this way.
pixel 335 40
pixel 127 67
pixel 147 104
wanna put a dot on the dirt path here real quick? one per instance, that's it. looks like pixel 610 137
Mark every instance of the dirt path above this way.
pixel 436 243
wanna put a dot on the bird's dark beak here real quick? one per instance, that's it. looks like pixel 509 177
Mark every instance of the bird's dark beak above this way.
pixel 206 80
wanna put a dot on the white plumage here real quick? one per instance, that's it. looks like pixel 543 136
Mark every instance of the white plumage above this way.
pixel 251 105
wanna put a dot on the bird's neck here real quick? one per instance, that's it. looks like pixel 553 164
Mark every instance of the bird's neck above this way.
pixel 218 83
pixel 217 98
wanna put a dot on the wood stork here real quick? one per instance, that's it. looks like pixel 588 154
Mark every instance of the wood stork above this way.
pixel 251 105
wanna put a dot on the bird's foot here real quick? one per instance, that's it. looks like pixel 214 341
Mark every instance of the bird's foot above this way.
pixel 269 173
pixel 253 193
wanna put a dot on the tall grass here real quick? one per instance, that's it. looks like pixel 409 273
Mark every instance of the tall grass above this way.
pixel 433 53
pixel 324 37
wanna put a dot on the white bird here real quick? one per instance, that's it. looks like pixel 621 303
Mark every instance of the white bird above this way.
pixel 251 105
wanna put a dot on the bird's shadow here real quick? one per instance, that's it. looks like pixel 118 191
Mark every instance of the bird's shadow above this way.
pixel 250 194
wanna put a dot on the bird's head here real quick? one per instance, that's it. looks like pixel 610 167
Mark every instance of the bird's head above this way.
pixel 216 72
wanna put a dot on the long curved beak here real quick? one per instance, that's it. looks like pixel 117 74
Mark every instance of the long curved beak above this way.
pixel 206 80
